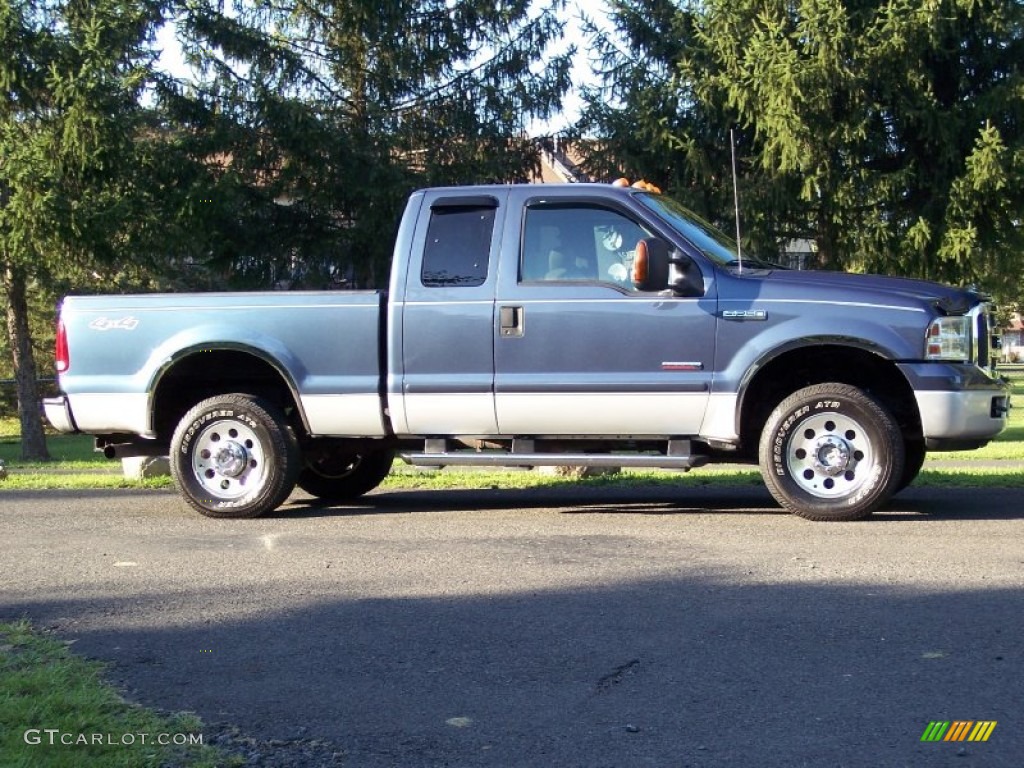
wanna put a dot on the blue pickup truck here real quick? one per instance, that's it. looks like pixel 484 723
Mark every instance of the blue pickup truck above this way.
pixel 581 324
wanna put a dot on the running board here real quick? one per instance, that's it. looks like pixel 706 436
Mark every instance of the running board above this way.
pixel 505 459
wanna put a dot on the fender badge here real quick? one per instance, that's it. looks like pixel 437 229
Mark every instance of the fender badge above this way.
pixel 744 314
pixel 128 323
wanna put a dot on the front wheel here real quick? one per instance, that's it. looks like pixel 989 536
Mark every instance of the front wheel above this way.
pixel 234 456
pixel 831 452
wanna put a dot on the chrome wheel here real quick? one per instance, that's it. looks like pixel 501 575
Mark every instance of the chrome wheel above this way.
pixel 830 455
pixel 228 460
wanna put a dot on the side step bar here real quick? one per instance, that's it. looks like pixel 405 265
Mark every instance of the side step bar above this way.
pixel 507 459
pixel 437 455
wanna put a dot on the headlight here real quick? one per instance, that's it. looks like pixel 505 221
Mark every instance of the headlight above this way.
pixel 949 338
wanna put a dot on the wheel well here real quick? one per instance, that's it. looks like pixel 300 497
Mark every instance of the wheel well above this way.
pixel 216 372
pixel 806 366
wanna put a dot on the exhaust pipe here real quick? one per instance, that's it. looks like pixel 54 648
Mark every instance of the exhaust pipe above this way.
pixel 131 448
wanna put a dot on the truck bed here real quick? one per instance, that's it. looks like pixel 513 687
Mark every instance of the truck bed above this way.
pixel 326 343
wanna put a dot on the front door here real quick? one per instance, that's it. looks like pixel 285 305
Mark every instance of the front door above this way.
pixel 579 351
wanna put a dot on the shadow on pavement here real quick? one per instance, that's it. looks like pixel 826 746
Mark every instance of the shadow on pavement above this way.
pixel 938 503
pixel 687 671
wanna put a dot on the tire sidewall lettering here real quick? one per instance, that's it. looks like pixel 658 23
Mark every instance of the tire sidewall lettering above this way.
pixel 781 438
pixel 867 487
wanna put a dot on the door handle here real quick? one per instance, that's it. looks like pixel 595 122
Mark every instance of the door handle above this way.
pixel 511 321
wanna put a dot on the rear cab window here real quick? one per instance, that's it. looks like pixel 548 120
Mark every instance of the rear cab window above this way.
pixel 458 247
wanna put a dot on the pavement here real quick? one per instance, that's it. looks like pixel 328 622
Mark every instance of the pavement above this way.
pixel 567 626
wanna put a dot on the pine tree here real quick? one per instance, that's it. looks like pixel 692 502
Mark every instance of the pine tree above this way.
pixel 338 110
pixel 889 133
pixel 70 79
pixel 645 118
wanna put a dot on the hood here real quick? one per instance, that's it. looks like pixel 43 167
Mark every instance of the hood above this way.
pixel 844 286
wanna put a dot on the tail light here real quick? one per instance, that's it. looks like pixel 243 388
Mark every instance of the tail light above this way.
pixel 61 354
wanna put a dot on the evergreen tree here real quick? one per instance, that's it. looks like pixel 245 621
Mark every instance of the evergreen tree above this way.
pixel 645 119
pixel 71 74
pixel 333 112
pixel 888 133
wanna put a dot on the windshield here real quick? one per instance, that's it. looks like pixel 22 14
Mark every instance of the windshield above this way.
pixel 713 243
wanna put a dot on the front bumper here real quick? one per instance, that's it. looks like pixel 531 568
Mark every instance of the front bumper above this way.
pixel 58 413
pixel 961 406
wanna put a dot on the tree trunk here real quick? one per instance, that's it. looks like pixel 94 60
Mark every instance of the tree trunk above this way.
pixel 33 441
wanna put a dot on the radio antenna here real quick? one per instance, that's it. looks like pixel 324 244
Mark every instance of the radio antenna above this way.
pixel 736 200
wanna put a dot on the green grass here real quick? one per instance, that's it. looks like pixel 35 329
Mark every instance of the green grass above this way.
pixel 44 687
pixel 969 478
pixel 66 451
pixel 73 464
pixel 9 427
pixel 49 481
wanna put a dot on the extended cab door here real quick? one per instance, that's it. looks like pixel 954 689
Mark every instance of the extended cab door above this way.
pixel 446 345
pixel 578 351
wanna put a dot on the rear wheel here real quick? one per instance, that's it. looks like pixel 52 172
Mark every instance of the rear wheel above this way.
pixel 831 452
pixel 234 456
pixel 339 475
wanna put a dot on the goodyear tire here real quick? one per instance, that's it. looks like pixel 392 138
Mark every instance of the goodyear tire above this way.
pixel 339 476
pixel 234 456
pixel 831 452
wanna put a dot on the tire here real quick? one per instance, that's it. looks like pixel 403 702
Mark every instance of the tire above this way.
pixel 234 456
pixel 340 476
pixel 914 456
pixel 831 452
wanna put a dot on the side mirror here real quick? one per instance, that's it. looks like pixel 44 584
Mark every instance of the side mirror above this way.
pixel 650 264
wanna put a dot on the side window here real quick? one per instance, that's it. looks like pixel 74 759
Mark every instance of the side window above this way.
pixel 458 246
pixel 579 242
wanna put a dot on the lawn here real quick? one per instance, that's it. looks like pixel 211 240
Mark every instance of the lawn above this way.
pixel 56 711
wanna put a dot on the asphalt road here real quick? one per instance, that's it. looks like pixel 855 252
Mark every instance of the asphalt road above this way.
pixel 546 627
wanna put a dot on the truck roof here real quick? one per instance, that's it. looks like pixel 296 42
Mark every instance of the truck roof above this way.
pixel 559 187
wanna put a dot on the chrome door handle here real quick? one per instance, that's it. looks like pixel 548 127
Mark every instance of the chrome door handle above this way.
pixel 511 321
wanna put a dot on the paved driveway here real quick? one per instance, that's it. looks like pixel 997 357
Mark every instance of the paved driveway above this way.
pixel 546 627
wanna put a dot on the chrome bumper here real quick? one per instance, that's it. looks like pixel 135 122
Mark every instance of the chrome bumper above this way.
pixel 58 413
pixel 961 406
pixel 968 416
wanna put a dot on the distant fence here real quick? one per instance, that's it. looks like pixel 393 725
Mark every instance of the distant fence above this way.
pixel 9 394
